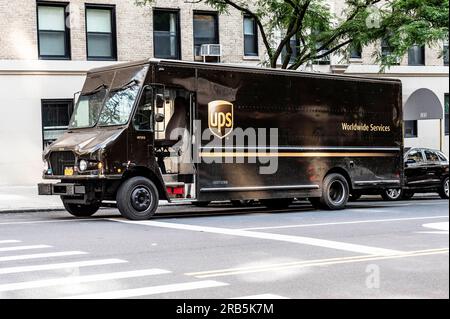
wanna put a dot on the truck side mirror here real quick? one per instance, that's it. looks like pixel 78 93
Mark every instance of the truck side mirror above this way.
pixel 159 118
pixel 160 101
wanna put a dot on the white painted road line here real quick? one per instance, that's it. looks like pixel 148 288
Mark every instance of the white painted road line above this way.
pixel 52 221
pixel 148 291
pixel 347 223
pixel 38 256
pixel 311 263
pixel 81 279
pixel 438 226
pixel 263 296
pixel 24 247
pixel 87 263
pixel 276 237
pixel 9 241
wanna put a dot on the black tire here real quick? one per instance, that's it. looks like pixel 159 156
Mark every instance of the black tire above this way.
pixel 201 204
pixel 79 210
pixel 407 195
pixel 392 194
pixel 335 192
pixel 137 198
pixel 277 203
pixel 354 196
pixel 443 191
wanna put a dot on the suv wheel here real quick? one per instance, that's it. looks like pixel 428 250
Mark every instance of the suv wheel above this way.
pixel 392 194
pixel 443 192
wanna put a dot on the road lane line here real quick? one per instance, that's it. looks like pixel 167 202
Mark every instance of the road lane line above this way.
pixel 346 223
pixel 312 263
pixel 81 279
pixel 53 221
pixel 263 296
pixel 9 241
pixel 148 291
pixel 87 263
pixel 268 236
pixel 38 256
pixel 24 247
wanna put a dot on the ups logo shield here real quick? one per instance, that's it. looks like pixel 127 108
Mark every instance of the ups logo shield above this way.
pixel 220 118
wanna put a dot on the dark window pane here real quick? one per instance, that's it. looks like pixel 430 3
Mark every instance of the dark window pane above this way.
pixel 205 31
pixel 250 37
pixel 410 129
pixel 52 43
pixel 416 55
pixel 446 54
pixel 166 38
pixel 446 114
pixel 294 47
pixel 55 119
pixel 416 156
pixel 99 45
pixel 355 52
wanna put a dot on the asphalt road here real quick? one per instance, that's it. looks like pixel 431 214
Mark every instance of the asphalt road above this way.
pixel 373 249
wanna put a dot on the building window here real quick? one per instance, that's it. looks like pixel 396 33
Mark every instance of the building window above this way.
pixel 53 31
pixel 386 49
pixel 100 32
pixel 250 36
pixel 355 51
pixel 416 55
pixel 295 44
pixel 445 53
pixel 410 129
pixel 56 116
pixel 446 118
pixel 206 30
pixel 166 34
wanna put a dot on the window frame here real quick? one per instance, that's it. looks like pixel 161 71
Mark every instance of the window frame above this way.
pixel 178 35
pixel 446 115
pixel 423 61
pixel 112 9
pixel 445 55
pixel 255 36
pixel 215 14
pixel 67 30
pixel 70 102
pixel 416 129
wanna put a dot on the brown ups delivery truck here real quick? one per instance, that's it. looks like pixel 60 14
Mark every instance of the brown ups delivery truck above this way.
pixel 174 130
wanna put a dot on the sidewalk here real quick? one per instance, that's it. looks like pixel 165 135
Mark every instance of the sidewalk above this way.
pixel 26 199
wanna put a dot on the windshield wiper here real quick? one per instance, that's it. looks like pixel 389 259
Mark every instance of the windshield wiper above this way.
pixel 98 89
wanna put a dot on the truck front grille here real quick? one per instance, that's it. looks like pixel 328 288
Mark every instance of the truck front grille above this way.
pixel 60 160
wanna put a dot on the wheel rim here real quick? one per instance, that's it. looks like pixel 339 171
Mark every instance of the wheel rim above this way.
pixel 337 192
pixel 446 187
pixel 394 193
pixel 141 198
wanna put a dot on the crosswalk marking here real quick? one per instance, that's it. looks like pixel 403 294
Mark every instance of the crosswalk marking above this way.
pixel 81 279
pixel 148 291
pixel 100 262
pixel 9 241
pixel 263 296
pixel 24 247
pixel 43 255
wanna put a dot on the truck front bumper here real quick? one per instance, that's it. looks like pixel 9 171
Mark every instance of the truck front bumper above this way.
pixel 61 189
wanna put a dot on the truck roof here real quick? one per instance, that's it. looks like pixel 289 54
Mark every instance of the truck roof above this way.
pixel 240 67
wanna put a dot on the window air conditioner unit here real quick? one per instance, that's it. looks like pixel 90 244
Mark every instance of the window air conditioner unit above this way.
pixel 211 50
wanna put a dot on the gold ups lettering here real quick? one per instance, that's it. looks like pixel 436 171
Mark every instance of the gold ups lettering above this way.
pixel 220 118
pixel 361 127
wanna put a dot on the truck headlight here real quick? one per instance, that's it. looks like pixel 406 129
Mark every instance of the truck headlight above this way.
pixel 45 166
pixel 83 165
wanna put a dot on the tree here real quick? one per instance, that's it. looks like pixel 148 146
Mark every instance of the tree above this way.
pixel 299 32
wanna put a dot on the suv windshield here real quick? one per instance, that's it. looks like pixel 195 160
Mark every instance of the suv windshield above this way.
pixel 118 105
pixel 87 110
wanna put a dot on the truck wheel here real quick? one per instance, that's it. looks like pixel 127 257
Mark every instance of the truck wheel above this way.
pixel 278 203
pixel 137 198
pixel 78 210
pixel 443 192
pixel 392 194
pixel 335 192
pixel 201 204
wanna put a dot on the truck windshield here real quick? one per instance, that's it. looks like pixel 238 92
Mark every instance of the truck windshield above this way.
pixel 118 105
pixel 87 110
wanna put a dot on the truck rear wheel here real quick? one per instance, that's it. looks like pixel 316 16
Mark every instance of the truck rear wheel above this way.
pixel 78 210
pixel 278 203
pixel 137 198
pixel 335 193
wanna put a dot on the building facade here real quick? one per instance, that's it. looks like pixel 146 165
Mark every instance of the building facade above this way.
pixel 46 48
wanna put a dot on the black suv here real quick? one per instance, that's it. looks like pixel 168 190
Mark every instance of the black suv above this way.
pixel 426 171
